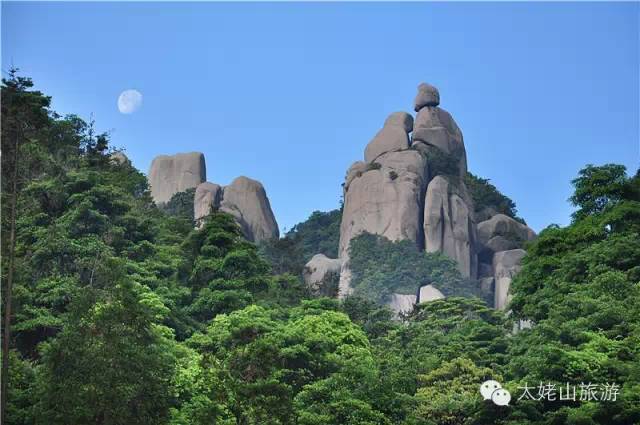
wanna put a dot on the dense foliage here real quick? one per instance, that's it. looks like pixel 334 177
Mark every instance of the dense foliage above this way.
pixel 487 197
pixel 123 313
pixel 319 234
pixel 580 284
pixel 381 267
pixel 181 204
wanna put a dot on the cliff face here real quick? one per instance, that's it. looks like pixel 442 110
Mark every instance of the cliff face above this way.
pixel 410 186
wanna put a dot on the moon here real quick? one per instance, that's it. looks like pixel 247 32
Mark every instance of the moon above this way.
pixel 129 101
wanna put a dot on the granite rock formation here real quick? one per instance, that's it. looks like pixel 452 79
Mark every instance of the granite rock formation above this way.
pixel 402 191
pixel 506 264
pixel 427 95
pixel 448 224
pixel 385 199
pixel 245 199
pixel 404 303
pixel 118 157
pixel 401 303
pixel 501 233
pixel 429 293
pixel 170 174
pixel 320 272
pixel 206 199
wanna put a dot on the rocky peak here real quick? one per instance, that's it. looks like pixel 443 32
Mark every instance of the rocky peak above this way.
pixel 247 201
pixel 170 174
pixel 427 95
pixel 394 136
pixel 245 198
pixel 402 191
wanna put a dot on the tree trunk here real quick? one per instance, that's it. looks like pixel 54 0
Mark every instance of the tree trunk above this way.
pixel 8 293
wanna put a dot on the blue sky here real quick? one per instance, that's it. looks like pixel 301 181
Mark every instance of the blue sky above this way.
pixel 291 93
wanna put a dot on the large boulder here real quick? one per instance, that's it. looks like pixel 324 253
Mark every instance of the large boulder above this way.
pixel 506 264
pixel 356 170
pixel 394 136
pixel 320 272
pixel 386 199
pixel 428 293
pixel 247 201
pixel 344 285
pixel 485 214
pixel 427 95
pixel 505 226
pixel 400 119
pixel 435 117
pixel 170 174
pixel 119 158
pixel 206 199
pixel 401 303
pixel 501 233
pixel 448 224
pixel 435 127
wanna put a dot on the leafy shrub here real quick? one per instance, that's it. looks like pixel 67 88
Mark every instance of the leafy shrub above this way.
pixel 319 234
pixel 181 204
pixel 381 267
pixel 486 195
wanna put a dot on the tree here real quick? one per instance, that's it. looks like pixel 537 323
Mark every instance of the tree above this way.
pixel 448 395
pixel 24 114
pixel 111 364
pixel 486 196
pixel 276 365
pixel 181 205
pixel 438 332
pixel 596 188
pixel 381 267
pixel 579 284
pixel 319 234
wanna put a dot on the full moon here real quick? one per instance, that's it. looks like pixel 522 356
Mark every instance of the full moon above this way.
pixel 129 101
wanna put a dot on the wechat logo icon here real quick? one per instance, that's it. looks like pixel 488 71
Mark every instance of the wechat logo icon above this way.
pixel 492 390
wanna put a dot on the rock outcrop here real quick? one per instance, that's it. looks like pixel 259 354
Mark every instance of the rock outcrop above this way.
pixel 435 127
pixel 385 195
pixel 505 226
pixel 356 170
pixel 206 199
pixel 344 286
pixel 429 293
pixel 400 119
pixel 321 271
pixel 118 157
pixel 247 201
pixel 170 174
pixel 501 233
pixel 385 199
pixel 394 136
pixel 415 190
pixel 401 303
pixel 506 264
pixel 427 95
pixel 448 224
